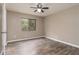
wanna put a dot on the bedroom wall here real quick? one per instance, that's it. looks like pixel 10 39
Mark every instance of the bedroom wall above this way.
pixel 14 26
pixel 64 25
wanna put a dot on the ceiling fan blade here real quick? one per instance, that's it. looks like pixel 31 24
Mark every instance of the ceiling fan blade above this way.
pixel 42 11
pixel 45 8
pixel 35 10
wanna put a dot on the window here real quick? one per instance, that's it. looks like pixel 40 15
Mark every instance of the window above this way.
pixel 28 24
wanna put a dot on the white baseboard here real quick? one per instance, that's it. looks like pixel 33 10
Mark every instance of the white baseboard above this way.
pixel 74 45
pixel 24 39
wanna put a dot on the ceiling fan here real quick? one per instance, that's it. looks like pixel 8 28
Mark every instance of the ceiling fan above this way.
pixel 39 8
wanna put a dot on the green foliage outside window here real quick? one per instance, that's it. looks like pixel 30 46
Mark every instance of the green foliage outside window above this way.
pixel 28 24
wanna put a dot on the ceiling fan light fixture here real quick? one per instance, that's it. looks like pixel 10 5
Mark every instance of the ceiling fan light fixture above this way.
pixel 39 10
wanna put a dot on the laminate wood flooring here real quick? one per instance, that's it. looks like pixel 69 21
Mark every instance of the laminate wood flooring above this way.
pixel 40 46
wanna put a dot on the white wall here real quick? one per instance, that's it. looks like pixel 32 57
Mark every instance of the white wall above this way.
pixel 64 25
pixel 14 26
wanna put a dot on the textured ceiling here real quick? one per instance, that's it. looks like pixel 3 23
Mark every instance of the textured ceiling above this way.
pixel 25 8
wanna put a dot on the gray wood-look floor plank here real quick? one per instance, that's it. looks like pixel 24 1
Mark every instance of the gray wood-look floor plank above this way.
pixel 40 46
